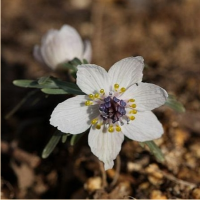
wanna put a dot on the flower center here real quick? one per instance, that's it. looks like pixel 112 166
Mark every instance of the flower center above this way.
pixel 112 109
pixel 113 112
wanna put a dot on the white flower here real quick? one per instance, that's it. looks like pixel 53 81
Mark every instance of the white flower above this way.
pixel 117 104
pixel 59 46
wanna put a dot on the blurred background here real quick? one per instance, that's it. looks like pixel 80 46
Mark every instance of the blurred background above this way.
pixel 166 34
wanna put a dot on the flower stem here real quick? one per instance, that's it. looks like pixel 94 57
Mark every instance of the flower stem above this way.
pixel 103 172
pixel 117 172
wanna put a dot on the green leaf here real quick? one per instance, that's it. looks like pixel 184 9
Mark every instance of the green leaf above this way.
pixel 22 83
pixel 174 104
pixel 75 139
pixel 34 84
pixel 64 137
pixel 70 67
pixel 52 144
pixel 155 150
pixel 53 91
pixel 51 83
pixel 70 88
pixel 142 144
pixel 85 61
pixel 43 80
pixel 76 62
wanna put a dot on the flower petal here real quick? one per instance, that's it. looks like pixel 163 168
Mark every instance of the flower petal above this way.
pixel 71 43
pixel 61 46
pixel 147 96
pixel 145 127
pixel 127 71
pixel 47 49
pixel 92 78
pixel 87 54
pixel 72 116
pixel 106 146
pixel 37 54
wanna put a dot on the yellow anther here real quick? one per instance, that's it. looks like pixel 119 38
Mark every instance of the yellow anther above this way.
pixel 131 100
pixel 96 95
pixel 91 96
pixel 131 117
pixel 123 89
pixel 102 91
pixel 116 86
pixel 88 103
pixel 118 128
pixel 98 126
pixel 133 111
pixel 94 121
pixel 110 129
pixel 133 105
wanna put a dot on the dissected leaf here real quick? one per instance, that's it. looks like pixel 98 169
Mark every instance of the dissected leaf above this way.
pixel 174 104
pixel 52 144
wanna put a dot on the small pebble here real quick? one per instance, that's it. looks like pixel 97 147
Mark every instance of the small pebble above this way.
pixel 196 193
pixel 157 194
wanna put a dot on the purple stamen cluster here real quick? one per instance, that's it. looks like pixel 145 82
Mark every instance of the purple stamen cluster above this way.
pixel 112 108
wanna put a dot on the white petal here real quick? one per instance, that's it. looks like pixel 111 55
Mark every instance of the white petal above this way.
pixel 47 49
pixel 127 71
pixel 106 146
pixel 72 116
pixel 37 54
pixel 147 96
pixel 145 127
pixel 87 54
pixel 92 78
pixel 71 42
pixel 61 46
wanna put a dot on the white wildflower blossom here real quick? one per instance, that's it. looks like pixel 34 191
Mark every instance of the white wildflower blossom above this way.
pixel 117 104
pixel 60 46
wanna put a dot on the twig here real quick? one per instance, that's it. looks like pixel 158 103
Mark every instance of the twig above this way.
pixel 104 181
pixel 179 181
pixel 171 178
pixel 117 172
pixel 20 104
pixel 10 187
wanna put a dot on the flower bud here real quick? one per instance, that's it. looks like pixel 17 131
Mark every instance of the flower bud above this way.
pixel 61 46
